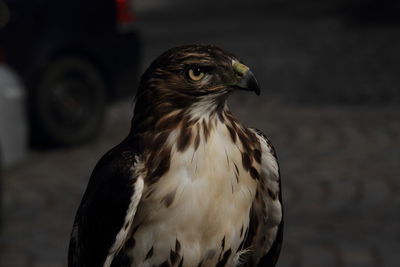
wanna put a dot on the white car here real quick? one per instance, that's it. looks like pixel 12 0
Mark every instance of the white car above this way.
pixel 13 124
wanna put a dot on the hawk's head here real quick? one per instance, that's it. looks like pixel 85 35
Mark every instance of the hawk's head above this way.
pixel 194 80
pixel 193 73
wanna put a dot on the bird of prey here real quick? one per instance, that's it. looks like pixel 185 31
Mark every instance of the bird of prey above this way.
pixel 190 185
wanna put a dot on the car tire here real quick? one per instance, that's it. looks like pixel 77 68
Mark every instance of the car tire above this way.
pixel 67 106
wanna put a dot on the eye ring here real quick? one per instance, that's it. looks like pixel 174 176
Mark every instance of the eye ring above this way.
pixel 196 73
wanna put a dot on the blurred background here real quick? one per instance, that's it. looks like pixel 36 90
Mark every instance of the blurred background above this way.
pixel 329 72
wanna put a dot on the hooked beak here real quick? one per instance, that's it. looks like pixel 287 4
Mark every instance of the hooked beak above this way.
pixel 248 81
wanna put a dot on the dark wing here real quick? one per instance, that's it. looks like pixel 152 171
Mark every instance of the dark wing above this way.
pixel 101 215
pixel 265 231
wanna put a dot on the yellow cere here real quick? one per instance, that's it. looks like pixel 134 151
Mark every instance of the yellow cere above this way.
pixel 240 68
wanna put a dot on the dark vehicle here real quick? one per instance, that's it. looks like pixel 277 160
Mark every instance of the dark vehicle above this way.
pixel 74 57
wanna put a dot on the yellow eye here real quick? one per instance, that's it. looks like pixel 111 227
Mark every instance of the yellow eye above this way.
pixel 196 74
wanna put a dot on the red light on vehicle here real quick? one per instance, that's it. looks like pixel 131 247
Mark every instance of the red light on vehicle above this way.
pixel 124 12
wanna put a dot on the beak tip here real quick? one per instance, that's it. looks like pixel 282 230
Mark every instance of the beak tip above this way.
pixel 248 82
pixel 254 86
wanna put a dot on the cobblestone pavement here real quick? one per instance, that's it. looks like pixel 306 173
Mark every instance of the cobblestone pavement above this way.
pixel 340 171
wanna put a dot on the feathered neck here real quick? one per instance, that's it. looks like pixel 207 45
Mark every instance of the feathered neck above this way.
pixel 161 128
pixel 164 110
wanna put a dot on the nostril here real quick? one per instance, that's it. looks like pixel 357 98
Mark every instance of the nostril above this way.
pixel 240 69
pixel 239 75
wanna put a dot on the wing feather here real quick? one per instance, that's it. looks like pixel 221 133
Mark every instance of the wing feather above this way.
pixel 265 231
pixel 111 197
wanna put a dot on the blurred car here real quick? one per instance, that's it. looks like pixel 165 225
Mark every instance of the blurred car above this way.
pixel 13 125
pixel 74 57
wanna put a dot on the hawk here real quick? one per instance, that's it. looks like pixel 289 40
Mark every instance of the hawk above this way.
pixel 190 185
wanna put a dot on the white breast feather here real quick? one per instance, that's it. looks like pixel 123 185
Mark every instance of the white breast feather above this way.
pixel 209 204
pixel 122 234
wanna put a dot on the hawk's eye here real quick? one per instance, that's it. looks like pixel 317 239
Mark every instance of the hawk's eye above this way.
pixel 195 73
